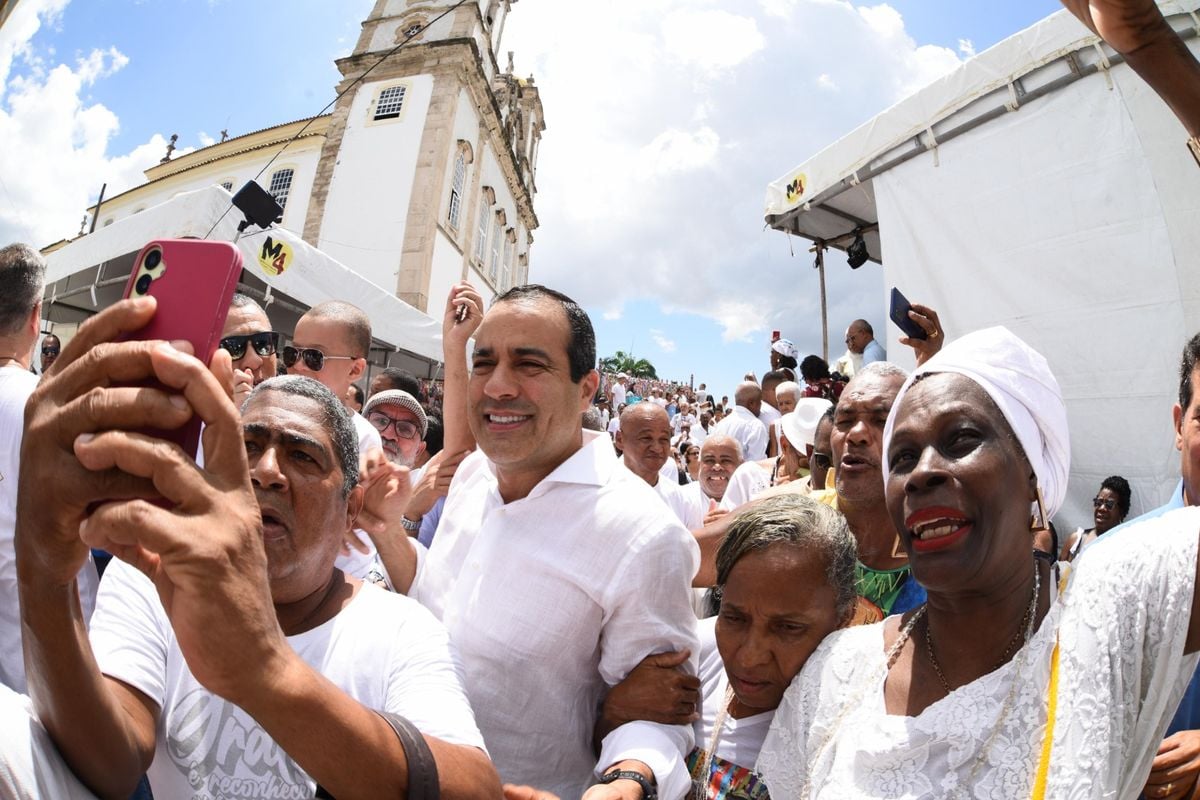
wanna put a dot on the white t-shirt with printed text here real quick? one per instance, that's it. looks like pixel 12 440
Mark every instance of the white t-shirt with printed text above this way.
pixel 384 650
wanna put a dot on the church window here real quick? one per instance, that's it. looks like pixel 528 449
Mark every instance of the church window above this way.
pixel 390 101
pixel 494 269
pixel 281 185
pixel 509 246
pixel 481 236
pixel 456 189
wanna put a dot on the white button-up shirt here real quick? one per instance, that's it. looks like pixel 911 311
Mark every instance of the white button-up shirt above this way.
pixel 747 429
pixel 552 599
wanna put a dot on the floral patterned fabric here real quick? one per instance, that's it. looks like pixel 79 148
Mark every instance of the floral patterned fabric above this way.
pixel 1121 624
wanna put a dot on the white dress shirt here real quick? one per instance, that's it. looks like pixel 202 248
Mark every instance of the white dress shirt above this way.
pixel 681 419
pixel 768 414
pixel 682 505
pixel 747 429
pixel 552 599
pixel 356 562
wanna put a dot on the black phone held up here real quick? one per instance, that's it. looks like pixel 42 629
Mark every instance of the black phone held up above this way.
pixel 899 315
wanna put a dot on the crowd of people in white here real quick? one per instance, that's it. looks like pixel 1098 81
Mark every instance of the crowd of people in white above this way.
pixel 843 582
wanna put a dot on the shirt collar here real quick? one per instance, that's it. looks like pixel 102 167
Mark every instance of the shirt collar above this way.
pixel 590 465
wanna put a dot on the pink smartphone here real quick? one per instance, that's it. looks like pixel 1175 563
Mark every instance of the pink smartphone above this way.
pixel 193 281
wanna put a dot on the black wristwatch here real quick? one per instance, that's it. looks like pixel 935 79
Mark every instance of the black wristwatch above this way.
pixel 648 790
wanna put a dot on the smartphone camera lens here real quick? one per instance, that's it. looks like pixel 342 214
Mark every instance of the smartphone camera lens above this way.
pixel 143 283
pixel 153 259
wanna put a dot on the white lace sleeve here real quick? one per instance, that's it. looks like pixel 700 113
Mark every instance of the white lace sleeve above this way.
pixel 784 762
pixel 1123 672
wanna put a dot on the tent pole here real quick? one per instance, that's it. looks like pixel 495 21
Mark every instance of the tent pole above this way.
pixel 824 308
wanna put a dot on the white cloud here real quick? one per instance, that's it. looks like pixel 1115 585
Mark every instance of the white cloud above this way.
pixel 665 123
pixel 678 151
pixel 56 153
pixel 26 19
pixel 966 48
pixel 205 139
pixel 710 40
pixel 660 339
pixel 612 314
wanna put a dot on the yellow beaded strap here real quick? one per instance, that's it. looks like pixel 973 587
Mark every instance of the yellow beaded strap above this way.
pixel 1043 767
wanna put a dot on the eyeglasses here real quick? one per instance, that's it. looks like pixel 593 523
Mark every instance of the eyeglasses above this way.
pixel 1107 505
pixel 50 351
pixel 264 343
pixel 404 428
pixel 313 359
pixel 821 460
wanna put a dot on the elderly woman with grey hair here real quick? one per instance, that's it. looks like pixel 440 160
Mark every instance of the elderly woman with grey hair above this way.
pixel 786 576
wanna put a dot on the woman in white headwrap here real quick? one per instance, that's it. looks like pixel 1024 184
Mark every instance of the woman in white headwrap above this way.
pixel 1003 685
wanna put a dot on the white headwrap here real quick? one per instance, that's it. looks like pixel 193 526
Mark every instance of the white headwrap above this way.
pixel 1019 381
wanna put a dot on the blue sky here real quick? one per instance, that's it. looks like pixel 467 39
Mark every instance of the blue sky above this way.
pixel 677 134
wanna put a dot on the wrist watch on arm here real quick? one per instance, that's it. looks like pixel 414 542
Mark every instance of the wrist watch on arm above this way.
pixel 649 792
pixel 412 526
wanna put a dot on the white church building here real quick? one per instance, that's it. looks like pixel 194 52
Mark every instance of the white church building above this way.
pixel 423 174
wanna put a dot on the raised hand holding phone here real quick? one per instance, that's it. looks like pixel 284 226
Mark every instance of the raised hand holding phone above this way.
pixel 193 282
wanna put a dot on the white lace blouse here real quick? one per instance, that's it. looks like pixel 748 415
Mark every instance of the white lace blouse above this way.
pixel 1121 623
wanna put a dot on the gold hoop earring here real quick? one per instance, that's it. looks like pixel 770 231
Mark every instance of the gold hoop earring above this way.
pixel 1040 521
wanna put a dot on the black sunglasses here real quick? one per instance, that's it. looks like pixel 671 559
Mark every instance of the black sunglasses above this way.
pixel 1108 504
pixel 50 351
pixel 265 344
pixel 313 359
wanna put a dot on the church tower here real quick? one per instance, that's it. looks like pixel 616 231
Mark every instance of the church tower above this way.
pixel 427 173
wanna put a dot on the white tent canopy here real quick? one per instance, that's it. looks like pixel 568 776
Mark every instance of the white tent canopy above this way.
pixel 309 275
pixel 1041 186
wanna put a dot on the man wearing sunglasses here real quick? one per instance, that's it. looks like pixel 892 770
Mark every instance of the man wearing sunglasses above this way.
pixel 330 346
pixel 251 344
pixel 51 347
pixel 821 460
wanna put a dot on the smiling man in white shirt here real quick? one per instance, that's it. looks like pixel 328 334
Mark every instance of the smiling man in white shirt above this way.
pixel 556 569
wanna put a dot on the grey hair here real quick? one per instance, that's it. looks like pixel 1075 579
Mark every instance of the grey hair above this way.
pixel 800 521
pixel 240 300
pixel 592 420
pixel 22 279
pixel 335 416
pixel 881 369
pixel 789 388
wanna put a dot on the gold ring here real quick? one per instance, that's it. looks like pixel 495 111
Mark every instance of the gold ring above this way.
pixel 1167 789
pixel 934 335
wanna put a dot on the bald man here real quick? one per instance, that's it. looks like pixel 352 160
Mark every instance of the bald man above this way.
pixel 743 423
pixel 644 439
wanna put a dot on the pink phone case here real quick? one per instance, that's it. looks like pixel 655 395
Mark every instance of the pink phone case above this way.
pixel 193 281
